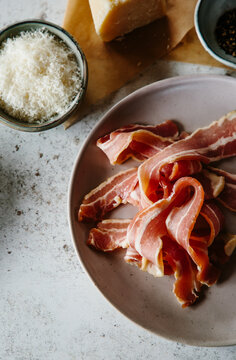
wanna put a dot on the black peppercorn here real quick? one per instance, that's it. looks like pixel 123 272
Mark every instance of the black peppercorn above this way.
pixel 226 32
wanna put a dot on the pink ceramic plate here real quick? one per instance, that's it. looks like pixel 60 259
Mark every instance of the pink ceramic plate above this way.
pixel 194 102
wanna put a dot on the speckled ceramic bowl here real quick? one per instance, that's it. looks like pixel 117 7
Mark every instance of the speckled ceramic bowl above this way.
pixel 28 25
pixel 207 13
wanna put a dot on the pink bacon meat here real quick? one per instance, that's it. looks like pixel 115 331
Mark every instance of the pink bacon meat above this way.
pixel 174 216
pixel 177 223
pixel 212 183
pixel 109 235
pixel 186 285
pixel 176 261
pixel 212 143
pixel 137 141
pixel 107 196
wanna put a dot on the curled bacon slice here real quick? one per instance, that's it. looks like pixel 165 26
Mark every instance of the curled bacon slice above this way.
pixel 137 141
pixel 186 285
pixel 214 219
pixel 147 229
pixel 109 235
pixel 108 195
pixel 177 169
pixel 176 261
pixel 169 173
pixel 212 143
pixel 180 224
pixel 175 216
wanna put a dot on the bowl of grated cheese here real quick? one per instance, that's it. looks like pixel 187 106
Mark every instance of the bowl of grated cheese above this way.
pixel 43 75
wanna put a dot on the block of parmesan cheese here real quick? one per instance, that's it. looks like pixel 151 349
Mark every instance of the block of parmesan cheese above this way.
pixel 113 18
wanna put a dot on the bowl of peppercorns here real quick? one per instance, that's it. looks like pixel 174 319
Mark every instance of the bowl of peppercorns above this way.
pixel 215 24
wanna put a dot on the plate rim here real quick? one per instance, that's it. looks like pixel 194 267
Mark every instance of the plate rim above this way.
pixel 157 84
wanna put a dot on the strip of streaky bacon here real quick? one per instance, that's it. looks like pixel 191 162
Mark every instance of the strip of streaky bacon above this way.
pixel 169 174
pixel 162 191
pixel 228 196
pixel 177 169
pixel 212 143
pixel 123 188
pixel 109 235
pixel 176 216
pixel 134 258
pixel 137 141
pixel 181 225
pixel 214 220
pixel 108 195
pixel 176 261
pixel 186 285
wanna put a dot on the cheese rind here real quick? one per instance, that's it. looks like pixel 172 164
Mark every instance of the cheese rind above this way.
pixel 114 18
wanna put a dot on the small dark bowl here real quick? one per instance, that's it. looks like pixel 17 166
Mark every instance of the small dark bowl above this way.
pixel 62 34
pixel 207 13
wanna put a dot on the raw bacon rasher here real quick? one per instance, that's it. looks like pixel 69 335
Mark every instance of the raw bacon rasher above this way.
pixel 212 143
pixel 178 228
pixel 176 217
pixel 137 141
pixel 108 195
pixel 109 235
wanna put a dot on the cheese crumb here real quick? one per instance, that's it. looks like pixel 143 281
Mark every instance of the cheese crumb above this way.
pixel 39 76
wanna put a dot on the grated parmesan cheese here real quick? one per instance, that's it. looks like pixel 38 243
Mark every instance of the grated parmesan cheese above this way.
pixel 39 76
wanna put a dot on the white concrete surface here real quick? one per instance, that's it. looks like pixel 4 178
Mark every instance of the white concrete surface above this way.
pixel 49 309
